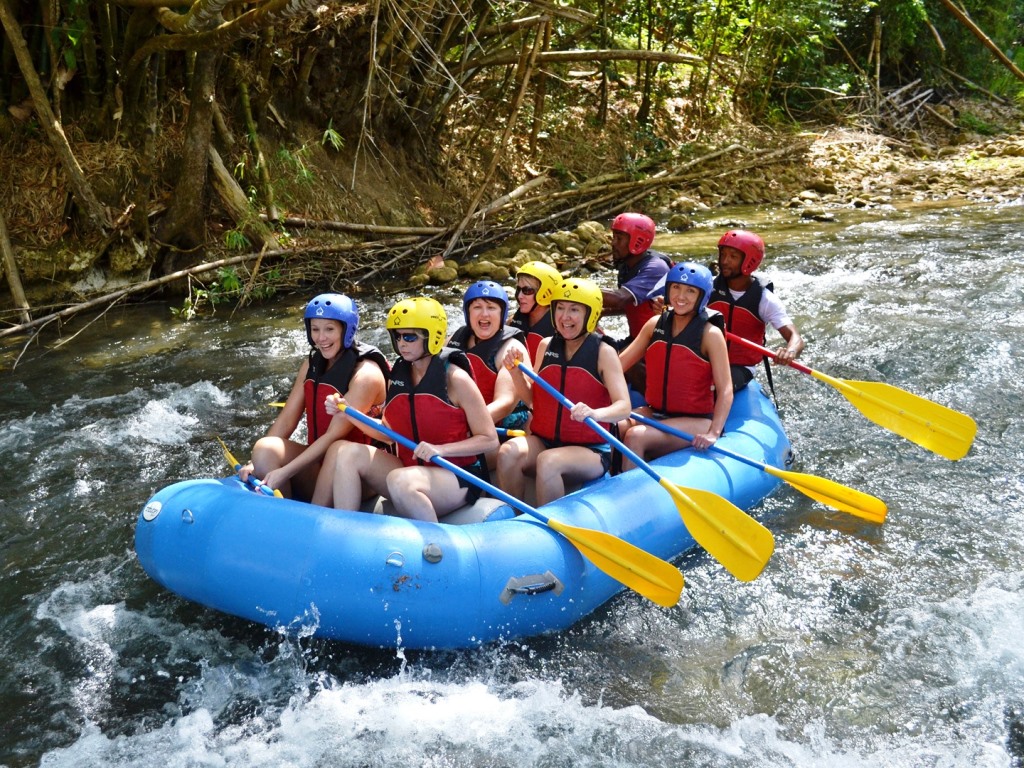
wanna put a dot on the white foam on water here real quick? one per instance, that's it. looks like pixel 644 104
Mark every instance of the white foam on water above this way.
pixel 408 721
pixel 174 419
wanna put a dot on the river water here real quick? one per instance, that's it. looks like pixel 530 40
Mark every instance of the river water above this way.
pixel 898 645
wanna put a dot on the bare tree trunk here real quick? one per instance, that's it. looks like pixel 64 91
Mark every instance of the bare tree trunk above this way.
pixel 253 135
pixel 237 205
pixel 183 225
pixel 95 213
pixel 602 106
pixel 964 19
pixel 528 61
pixel 540 94
pixel 13 276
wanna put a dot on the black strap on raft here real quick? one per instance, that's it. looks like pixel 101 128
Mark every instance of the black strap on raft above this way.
pixel 771 382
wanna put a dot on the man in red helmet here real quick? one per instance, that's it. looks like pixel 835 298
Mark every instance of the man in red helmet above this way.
pixel 640 270
pixel 749 304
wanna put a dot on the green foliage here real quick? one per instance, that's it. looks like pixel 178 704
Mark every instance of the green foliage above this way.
pixel 332 137
pixel 228 286
pixel 296 163
pixel 66 38
pixel 974 123
pixel 266 288
pixel 236 241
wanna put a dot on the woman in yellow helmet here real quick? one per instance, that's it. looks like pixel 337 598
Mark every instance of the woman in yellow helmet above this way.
pixel 536 283
pixel 561 450
pixel 433 400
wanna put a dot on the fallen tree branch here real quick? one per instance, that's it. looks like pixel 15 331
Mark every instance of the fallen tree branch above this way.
pixel 504 58
pixel 345 226
pixel 975 86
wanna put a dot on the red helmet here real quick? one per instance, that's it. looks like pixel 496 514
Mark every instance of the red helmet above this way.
pixel 747 243
pixel 640 229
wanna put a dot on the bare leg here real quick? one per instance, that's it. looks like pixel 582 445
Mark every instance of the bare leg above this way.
pixel 359 471
pixel 270 453
pixel 557 466
pixel 516 459
pixel 651 442
pixel 424 493
pixel 323 493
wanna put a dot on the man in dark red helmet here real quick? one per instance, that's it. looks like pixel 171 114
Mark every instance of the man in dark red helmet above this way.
pixel 640 270
pixel 749 304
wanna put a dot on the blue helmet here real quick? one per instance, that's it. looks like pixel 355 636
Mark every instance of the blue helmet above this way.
pixel 334 306
pixel 691 273
pixel 485 289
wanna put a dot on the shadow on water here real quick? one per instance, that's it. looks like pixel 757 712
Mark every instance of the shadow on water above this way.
pixel 859 645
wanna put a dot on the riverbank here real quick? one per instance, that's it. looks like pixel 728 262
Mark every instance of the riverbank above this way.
pixel 853 167
pixel 814 173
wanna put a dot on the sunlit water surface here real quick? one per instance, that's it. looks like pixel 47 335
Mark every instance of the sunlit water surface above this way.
pixel 898 645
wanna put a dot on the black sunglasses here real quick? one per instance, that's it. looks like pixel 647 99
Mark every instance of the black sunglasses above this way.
pixel 526 290
pixel 407 336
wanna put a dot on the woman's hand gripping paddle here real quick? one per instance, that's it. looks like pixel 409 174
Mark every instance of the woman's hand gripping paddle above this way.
pixel 729 534
pixel 828 492
pixel 940 429
pixel 257 485
pixel 652 577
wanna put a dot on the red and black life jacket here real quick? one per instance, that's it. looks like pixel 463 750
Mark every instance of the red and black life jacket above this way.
pixel 321 382
pixel 424 412
pixel 680 381
pixel 741 317
pixel 535 333
pixel 482 355
pixel 579 380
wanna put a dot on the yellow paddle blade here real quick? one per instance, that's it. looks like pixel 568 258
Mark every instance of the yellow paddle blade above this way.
pixel 654 578
pixel 232 461
pixel 236 465
pixel 729 534
pixel 834 495
pixel 940 429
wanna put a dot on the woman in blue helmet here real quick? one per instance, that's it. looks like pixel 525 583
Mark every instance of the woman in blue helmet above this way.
pixel 486 340
pixel 337 364
pixel 689 384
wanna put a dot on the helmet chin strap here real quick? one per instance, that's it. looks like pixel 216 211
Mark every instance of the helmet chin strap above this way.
pixel 426 353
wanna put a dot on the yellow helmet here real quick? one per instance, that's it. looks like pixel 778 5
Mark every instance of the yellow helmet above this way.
pixel 549 278
pixel 421 312
pixel 581 291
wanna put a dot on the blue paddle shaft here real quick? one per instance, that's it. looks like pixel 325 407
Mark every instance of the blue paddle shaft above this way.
pixel 440 461
pixel 609 438
pixel 680 434
pixel 254 483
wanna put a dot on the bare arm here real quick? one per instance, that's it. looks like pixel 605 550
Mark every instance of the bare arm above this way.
pixel 637 348
pixel 616 302
pixel 523 384
pixel 463 392
pixel 794 344
pixel 713 347
pixel 615 382
pixel 365 389
pixel 294 409
pixel 505 393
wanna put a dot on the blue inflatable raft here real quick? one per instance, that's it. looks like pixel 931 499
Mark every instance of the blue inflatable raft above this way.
pixel 378 580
